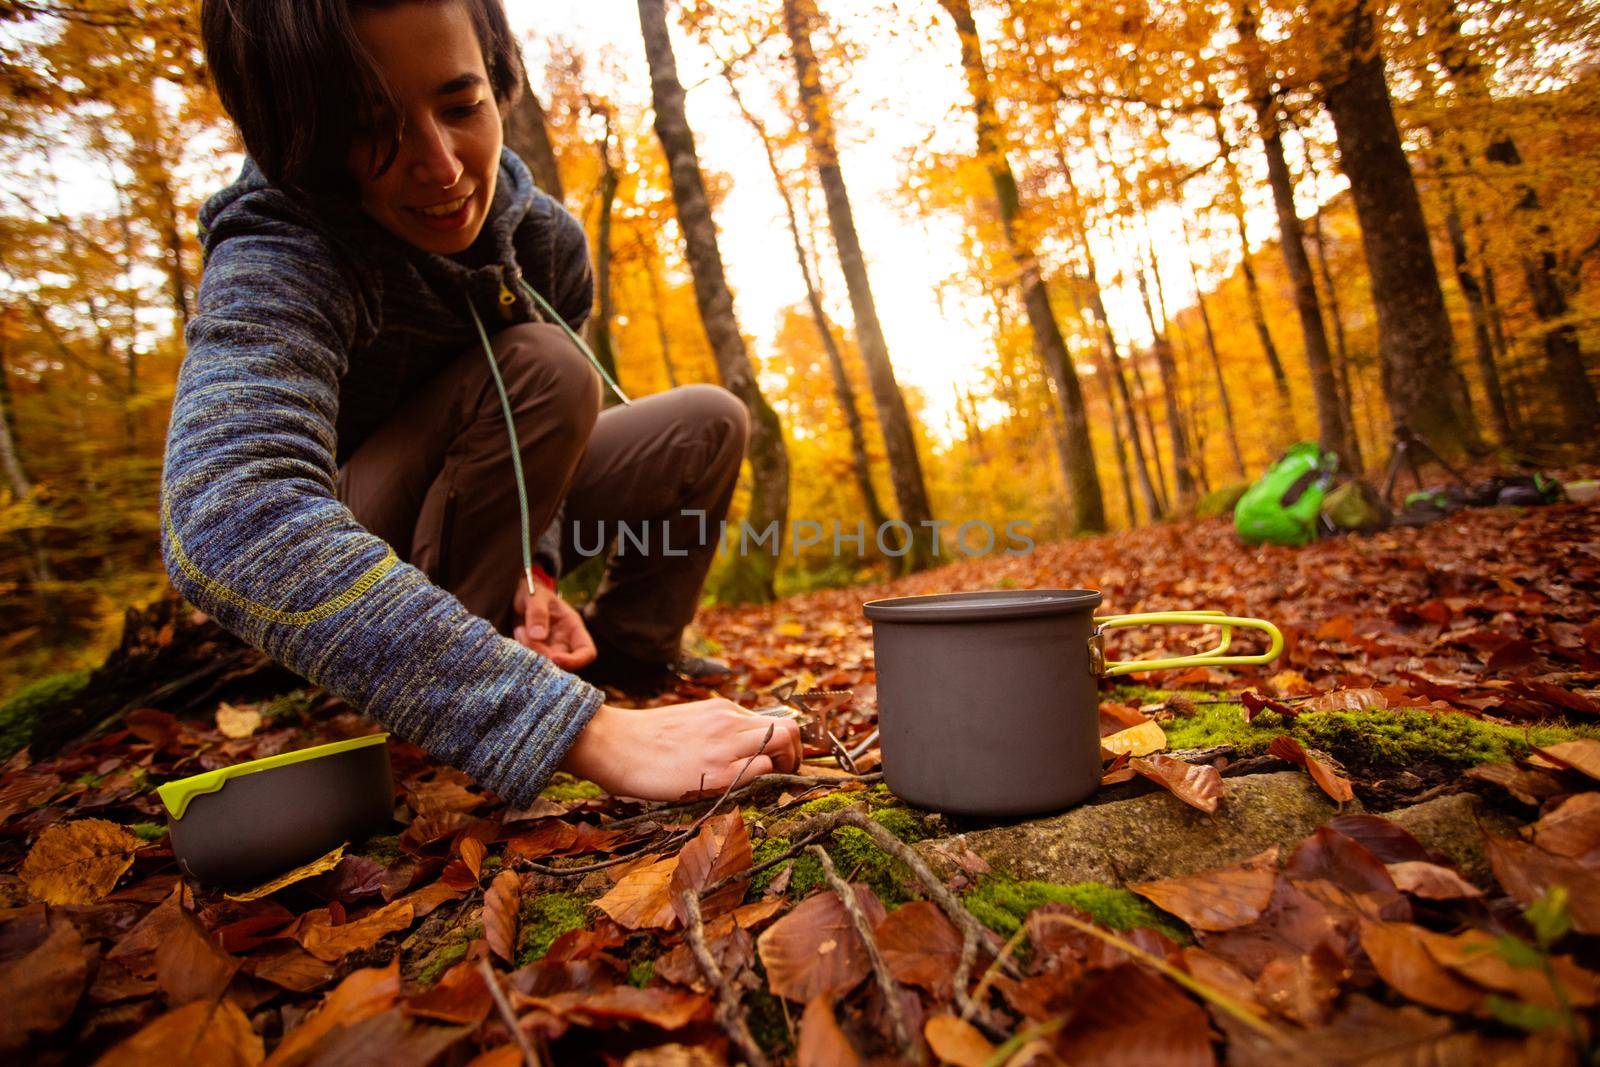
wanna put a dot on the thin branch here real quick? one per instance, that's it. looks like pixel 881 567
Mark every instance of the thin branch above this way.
pixel 729 1015
pixel 880 970
pixel 529 1056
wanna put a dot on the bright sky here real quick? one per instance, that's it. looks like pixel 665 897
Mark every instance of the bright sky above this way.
pixel 901 95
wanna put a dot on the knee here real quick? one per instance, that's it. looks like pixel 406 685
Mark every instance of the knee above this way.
pixel 719 412
pixel 537 359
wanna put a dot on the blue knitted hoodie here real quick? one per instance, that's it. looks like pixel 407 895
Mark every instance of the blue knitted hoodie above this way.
pixel 312 327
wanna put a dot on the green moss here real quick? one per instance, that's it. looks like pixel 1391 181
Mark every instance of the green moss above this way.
pixel 383 850
pixel 640 972
pixel 834 801
pixel 546 917
pixel 764 1014
pixel 854 855
pixel 442 959
pixel 1001 904
pixel 563 786
pixel 148 831
pixel 295 705
pixel 22 712
pixel 1385 739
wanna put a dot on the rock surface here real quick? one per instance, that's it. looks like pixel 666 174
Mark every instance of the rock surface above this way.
pixel 1149 837
pixel 1454 825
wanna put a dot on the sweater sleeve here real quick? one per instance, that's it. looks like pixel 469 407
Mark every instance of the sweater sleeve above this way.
pixel 254 534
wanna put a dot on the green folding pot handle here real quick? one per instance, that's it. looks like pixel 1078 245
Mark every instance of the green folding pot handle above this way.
pixel 250 822
pixel 1215 657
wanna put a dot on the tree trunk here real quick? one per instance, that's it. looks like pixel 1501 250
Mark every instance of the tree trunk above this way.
pixel 1575 395
pixel 1478 313
pixel 899 440
pixel 605 309
pixel 1082 476
pixel 1422 384
pixel 657 310
pixel 37 564
pixel 769 462
pixel 1252 287
pixel 1216 358
pixel 842 388
pixel 1167 368
pixel 529 137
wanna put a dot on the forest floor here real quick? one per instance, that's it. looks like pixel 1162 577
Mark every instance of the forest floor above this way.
pixel 1384 848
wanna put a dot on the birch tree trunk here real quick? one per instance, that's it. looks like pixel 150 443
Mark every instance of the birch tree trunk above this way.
pixel 529 137
pixel 769 462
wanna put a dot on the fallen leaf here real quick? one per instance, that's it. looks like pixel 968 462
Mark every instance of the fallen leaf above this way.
pixel 472 853
pixel 1527 871
pixel 1473 955
pixel 1431 881
pixel 78 862
pixel 1217 900
pixel 814 950
pixel 720 849
pixel 641 898
pixel 957 1041
pixel 291 967
pixel 202 1033
pixel 1582 755
pixel 319 936
pixel 1118 717
pixel 237 723
pixel 1531 786
pixel 387 1039
pixel 1389 842
pixel 1347 700
pixel 500 909
pixel 1138 740
pixel 361 995
pixel 1302 988
pixel 191 966
pixel 822 1043
pixel 920 946
pixel 1398 955
pixel 42 986
pixel 1198 785
pixel 1129 1017
pixel 1572 829
pixel 459 996
pixel 1288 749
pixel 321 865
pixel 670 1009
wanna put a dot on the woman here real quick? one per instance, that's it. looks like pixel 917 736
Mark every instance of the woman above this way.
pixel 339 485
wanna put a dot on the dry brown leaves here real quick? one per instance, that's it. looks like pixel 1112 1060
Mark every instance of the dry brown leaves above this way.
pixel 1337 787
pixel 78 862
pixel 1197 785
pixel 500 911
pixel 1221 899
pixel 814 951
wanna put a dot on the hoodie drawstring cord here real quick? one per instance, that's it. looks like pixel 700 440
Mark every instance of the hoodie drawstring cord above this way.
pixel 511 426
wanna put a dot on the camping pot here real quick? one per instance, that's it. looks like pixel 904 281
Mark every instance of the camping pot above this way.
pixel 988 702
pixel 252 821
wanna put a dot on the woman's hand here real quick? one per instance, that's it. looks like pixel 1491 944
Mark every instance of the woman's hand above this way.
pixel 552 627
pixel 663 753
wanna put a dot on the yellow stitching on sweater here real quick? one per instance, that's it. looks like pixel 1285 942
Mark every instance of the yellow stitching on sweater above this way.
pixel 261 611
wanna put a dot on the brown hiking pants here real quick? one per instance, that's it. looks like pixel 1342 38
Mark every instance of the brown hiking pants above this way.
pixel 436 481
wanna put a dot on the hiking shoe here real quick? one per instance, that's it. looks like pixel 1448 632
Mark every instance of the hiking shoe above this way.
pixel 698 668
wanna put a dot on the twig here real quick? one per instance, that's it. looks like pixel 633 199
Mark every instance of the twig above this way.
pixel 880 970
pixel 729 1015
pixel 529 1057
pixel 982 988
pixel 759 783
pixel 662 846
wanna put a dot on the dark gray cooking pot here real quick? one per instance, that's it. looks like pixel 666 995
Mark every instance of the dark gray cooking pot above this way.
pixel 988 701
pixel 253 821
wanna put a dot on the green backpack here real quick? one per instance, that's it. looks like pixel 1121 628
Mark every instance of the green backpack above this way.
pixel 1282 506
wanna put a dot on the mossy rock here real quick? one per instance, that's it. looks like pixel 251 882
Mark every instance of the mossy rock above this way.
pixel 545 917
pixel 22 712
pixel 1002 903
pixel 1383 740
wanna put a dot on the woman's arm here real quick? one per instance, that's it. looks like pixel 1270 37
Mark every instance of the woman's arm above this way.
pixel 254 535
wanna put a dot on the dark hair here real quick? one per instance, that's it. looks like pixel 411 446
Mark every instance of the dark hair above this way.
pixel 294 77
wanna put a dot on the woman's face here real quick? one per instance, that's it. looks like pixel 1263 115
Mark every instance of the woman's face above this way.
pixel 450 135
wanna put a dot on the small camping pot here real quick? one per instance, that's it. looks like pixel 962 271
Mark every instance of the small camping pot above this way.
pixel 253 821
pixel 988 702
